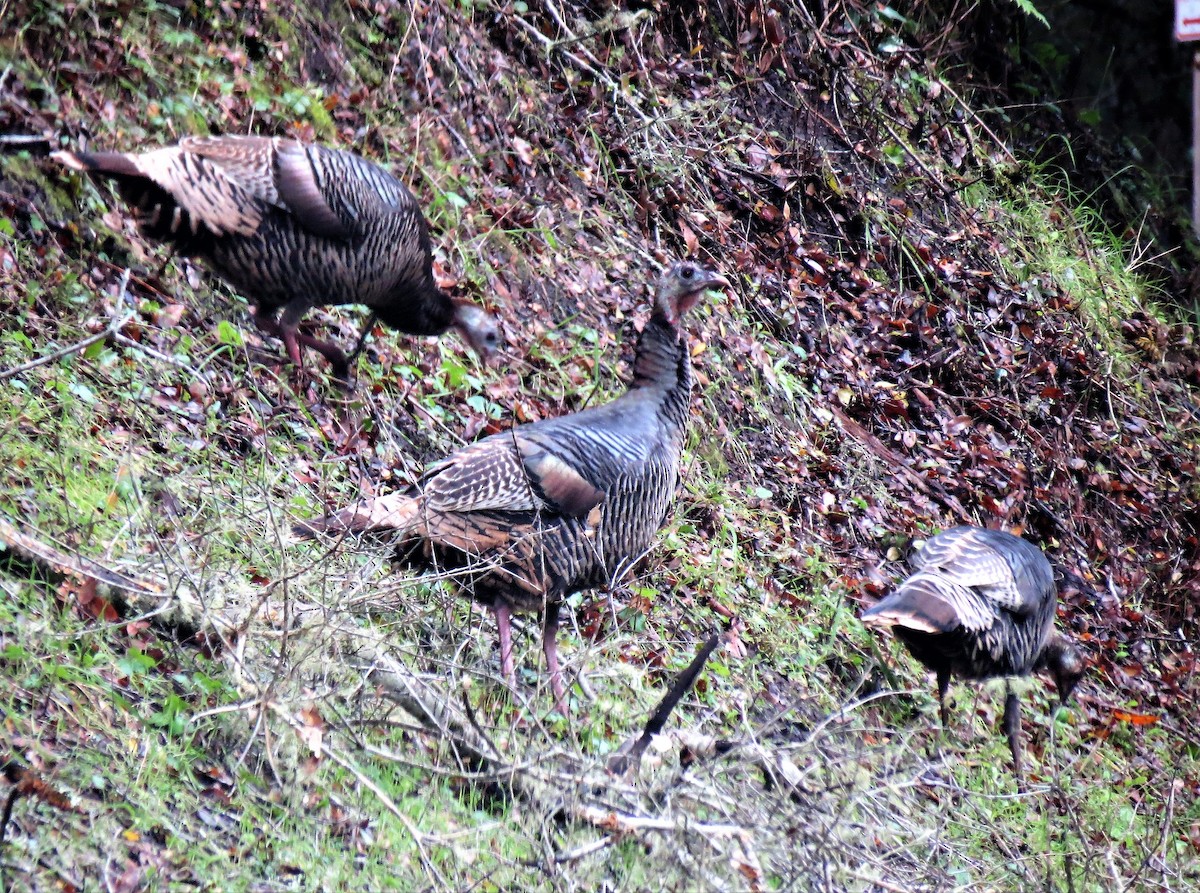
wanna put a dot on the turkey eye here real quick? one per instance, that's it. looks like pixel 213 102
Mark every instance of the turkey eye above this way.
pixel 687 272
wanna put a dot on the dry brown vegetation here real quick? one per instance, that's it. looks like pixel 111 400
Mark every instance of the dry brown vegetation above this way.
pixel 930 327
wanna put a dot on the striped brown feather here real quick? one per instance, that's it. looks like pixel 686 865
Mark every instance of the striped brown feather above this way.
pixel 396 513
pixel 481 477
pixel 293 226
pixel 550 508
pixel 301 194
pixel 248 161
pixel 916 605
pixel 980 604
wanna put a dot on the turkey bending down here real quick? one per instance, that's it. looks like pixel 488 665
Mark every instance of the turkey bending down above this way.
pixel 293 226
pixel 547 509
pixel 980 604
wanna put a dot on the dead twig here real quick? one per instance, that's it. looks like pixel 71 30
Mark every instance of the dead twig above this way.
pixel 35 144
pixel 322 746
pixel 774 764
pixel 630 757
pixel 156 354
pixel 61 563
pixel 118 323
pixel 898 464
pixel 550 788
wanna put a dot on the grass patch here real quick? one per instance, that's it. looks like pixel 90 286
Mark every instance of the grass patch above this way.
pixel 188 453
pixel 1059 241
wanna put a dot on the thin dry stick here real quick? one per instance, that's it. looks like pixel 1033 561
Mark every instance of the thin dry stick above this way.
pixel 897 462
pixel 115 326
pixel 580 852
pixel 962 103
pixel 599 74
pixel 545 790
pixel 631 758
pixel 417 835
pixel 60 562
pixel 776 766
pixel 158 355
pixel 877 882
pixel 625 823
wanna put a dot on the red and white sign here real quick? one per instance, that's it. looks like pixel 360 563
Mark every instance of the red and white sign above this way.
pixel 1187 20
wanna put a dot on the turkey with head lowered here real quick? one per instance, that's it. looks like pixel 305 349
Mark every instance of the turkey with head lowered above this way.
pixel 293 226
pixel 981 604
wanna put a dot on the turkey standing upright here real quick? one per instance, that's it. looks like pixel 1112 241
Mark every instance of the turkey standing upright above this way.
pixel 981 603
pixel 553 507
pixel 293 226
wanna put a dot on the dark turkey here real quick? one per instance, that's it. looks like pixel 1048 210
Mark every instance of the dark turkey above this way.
pixel 549 508
pixel 293 226
pixel 981 604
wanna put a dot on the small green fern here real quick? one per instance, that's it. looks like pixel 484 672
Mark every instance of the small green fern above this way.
pixel 1027 7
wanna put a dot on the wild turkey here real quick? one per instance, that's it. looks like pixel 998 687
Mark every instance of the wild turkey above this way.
pixel 553 507
pixel 980 604
pixel 293 226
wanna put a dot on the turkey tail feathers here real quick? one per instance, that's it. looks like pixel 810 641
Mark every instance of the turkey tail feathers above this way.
pixel 395 513
pixel 113 164
pixel 924 603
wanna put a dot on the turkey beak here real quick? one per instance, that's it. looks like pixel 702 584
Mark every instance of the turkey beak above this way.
pixel 710 282
pixel 478 328
pixel 717 282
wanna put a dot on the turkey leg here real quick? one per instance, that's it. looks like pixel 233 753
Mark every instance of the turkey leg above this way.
pixel 292 338
pixel 1012 727
pixel 550 648
pixel 504 624
pixel 943 682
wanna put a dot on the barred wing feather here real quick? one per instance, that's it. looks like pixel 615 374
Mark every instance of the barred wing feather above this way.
pixel 1005 570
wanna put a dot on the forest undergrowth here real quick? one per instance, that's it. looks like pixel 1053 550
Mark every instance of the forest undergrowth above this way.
pixel 934 320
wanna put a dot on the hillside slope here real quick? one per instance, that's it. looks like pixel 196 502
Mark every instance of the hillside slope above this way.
pixel 928 329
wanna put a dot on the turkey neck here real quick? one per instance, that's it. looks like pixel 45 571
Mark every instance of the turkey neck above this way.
pixel 662 364
pixel 419 310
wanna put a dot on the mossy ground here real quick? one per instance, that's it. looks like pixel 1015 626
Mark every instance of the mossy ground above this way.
pixel 916 338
